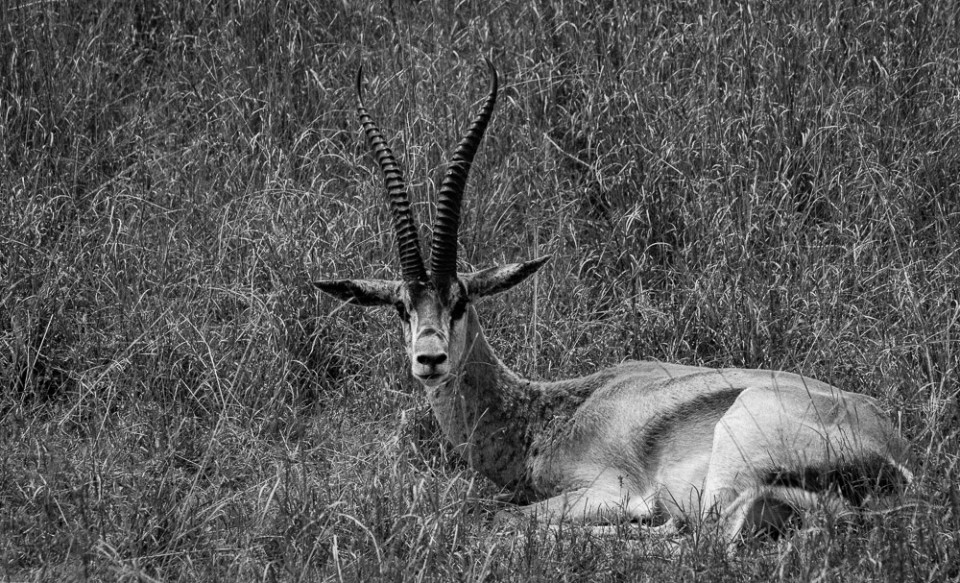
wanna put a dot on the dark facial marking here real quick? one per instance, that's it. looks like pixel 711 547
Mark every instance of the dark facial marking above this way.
pixel 459 304
pixel 402 311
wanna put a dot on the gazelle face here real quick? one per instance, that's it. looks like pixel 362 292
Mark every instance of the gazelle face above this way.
pixel 432 305
pixel 433 330
pixel 434 318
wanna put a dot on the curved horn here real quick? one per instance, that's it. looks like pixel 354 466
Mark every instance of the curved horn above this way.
pixel 408 244
pixel 443 249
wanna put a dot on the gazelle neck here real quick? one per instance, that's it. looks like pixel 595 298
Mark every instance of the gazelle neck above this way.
pixel 487 411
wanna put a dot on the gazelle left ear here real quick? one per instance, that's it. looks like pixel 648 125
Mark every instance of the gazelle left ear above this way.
pixel 501 278
pixel 363 292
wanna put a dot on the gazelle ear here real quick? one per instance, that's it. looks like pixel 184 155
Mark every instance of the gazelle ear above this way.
pixel 363 292
pixel 501 278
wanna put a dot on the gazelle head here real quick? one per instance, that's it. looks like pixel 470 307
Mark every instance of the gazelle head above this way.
pixel 433 303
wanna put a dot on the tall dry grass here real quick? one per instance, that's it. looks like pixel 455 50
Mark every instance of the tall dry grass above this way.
pixel 750 184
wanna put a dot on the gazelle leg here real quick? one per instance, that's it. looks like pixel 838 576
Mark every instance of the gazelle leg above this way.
pixel 772 507
pixel 668 528
pixel 592 505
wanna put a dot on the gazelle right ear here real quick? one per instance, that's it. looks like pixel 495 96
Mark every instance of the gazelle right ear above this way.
pixel 363 292
pixel 501 278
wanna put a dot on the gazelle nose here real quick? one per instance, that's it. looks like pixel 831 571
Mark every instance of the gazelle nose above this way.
pixel 431 359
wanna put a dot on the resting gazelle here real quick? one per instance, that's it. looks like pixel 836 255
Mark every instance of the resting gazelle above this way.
pixel 644 441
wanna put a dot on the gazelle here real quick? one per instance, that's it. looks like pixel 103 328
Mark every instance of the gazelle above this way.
pixel 644 441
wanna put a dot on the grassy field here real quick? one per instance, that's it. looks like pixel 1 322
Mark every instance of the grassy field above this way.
pixel 754 184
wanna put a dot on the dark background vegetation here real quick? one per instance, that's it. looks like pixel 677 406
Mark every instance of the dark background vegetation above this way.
pixel 751 184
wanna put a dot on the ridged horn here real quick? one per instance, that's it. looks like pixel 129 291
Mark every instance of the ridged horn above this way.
pixel 408 243
pixel 443 249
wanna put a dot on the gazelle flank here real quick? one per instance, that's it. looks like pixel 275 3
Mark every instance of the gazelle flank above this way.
pixel 644 441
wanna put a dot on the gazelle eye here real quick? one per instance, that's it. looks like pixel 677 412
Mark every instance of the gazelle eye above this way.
pixel 402 311
pixel 458 308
